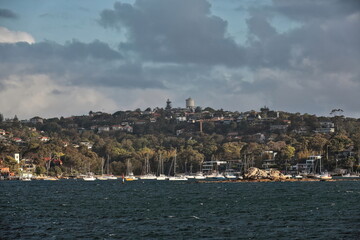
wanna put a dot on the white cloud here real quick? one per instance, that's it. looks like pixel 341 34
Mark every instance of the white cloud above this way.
pixel 32 95
pixel 8 36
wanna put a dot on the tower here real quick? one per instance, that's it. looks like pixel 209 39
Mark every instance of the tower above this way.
pixel 190 103
pixel 168 105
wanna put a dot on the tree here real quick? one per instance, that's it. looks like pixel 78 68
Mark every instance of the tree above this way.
pixel 40 170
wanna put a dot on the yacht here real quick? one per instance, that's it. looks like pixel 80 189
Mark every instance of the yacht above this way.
pixel 177 177
pixel 129 174
pixel 199 176
pixel 148 175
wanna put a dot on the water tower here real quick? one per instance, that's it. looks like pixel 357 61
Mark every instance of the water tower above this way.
pixel 190 103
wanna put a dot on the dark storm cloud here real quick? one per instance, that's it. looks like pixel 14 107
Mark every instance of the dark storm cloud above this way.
pixel 174 31
pixel 6 13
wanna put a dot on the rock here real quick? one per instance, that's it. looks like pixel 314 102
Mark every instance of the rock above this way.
pixel 256 174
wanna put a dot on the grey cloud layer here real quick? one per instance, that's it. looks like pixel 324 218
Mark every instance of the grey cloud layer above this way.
pixel 183 47
pixel 174 31
pixel 74 63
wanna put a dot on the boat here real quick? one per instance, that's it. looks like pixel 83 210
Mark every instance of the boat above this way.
pixel 148 175
pixel 177 177
pixel 216 175
pixel 89 177
pixel 288 176
pixel 26 176
pixel 199 176
pixel 348 175
pixel 102 178
pixel 298 176
pixel 229 174
pixel 129 174
pixel 161 176
pixel 111 177
pixel 325 176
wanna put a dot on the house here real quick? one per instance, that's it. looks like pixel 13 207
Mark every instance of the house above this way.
pixel 124 128
pixel 36 120
pixel 268 164
pixel 17 140
pixel 278 127
pixel 181 119
pixel 301 130
pixel 140 122
pixel 103 129
pixel 89 145
pixel 233 135
pixel 326 127
pixel 2 132
pixel 179 132
pixel 44 139
pixel 128 128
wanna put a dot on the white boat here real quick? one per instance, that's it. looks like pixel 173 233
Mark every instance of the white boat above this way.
pixel 325 176
pixel 129 174
pixel 298 176
pixel 348 175
pixel 177 177
pixel 102 178
pixel 229 174
pixel 216 175
pixel 200 176
pixel 111 177
pixel 288 176
pixel 26 176
pixel 148 175
pixel 162 177
pixel 89 178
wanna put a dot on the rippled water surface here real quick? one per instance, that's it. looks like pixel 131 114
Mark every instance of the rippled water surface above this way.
pixel 70 209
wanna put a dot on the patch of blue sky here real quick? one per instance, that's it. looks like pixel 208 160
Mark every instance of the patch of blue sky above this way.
pixel 61 21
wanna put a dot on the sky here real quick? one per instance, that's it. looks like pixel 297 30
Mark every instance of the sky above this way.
pixel 65 57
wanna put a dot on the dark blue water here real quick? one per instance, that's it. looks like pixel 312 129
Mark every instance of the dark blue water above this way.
pixel 70 209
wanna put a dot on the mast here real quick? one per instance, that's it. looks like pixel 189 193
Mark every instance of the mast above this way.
pixel 108 164
pixel 175 163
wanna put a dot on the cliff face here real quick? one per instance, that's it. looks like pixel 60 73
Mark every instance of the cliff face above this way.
pixel 256 173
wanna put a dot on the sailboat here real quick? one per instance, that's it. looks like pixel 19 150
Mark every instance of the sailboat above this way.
pixel 102 177
pixel 89 176
pixel 161 176
pixel 129 174
pixel 148 175
pixel 177 177
pixel 189 175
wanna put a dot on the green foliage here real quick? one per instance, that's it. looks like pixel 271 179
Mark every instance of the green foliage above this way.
pixel 40 170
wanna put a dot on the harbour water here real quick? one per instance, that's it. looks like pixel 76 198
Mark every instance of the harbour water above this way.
pixel 73 209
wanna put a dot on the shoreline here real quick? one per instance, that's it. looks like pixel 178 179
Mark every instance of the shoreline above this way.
pixel 280 180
